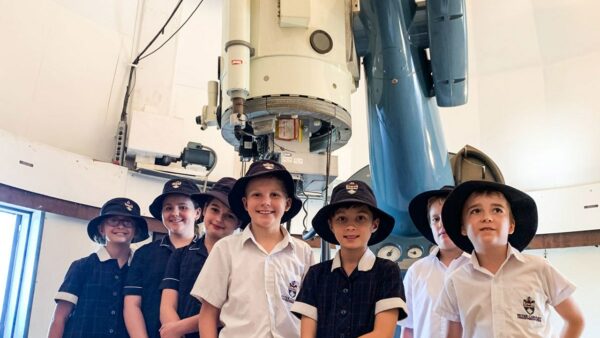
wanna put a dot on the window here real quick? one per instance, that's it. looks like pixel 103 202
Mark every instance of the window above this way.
pixel 20 239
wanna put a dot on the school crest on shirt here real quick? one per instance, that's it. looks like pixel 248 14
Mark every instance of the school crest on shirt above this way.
pixel 176 184
pixel 292 292
pixel 352 188
pixel 529 306
pixel 128 205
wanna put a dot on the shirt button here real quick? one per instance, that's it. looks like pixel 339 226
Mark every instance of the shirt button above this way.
pixel 343 312
pixel 116 276
pixel 345 290
pixel 111 331
pixel 115 293
pixel 113 312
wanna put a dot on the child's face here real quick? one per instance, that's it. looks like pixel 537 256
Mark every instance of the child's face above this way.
pixel 118 229
pixel 219 220
pixel 266 201
pixel 179 214
pixel 442 240
pixel 487 220
pixel 352 227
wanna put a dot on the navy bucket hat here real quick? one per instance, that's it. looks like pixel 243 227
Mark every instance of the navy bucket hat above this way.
pixel 348 193
pixel 258 169
pixel 220 191
pixel 119 207
pixel 179 186
pixel 419 212
pixel 523 208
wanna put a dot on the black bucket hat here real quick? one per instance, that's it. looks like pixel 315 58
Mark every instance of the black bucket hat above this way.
pixel 419 213
pixel 263 168
pixel 119 207
pixel 523 208
pixel 220 191
pixel 348 193
pixel 180 186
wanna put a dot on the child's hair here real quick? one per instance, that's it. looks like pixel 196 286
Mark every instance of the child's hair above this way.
pixel 434 199
pixel 493 192
pixel 271 176
pixel 350 206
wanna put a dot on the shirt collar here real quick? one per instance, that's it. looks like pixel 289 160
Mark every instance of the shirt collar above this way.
pixel 365 263
pixel 287 238
pixel 198 245
pixel 511 252
pixel 104 256
pixel 166 241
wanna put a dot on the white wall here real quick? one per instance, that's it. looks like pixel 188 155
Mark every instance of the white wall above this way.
pixel 532 106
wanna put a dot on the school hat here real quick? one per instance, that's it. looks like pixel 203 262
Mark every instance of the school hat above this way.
pixel 523 208
pixel 220 191
pixel 258 169
pixel 419 213
pixel 180 186
pixel 348 193
pixel 119 207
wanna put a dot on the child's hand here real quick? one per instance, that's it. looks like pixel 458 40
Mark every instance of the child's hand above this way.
pixel 170 330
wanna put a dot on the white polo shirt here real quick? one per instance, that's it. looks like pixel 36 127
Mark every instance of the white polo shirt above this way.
pixel 423 285
pixel 254 289
pixel 515 302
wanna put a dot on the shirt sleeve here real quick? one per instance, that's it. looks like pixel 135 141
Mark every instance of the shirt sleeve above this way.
pixel 408 283
pixel 172 271
pixel 306 301
pixel 559 287
pixel 391 291
pixel 71 288
pixel 211 285
pixel 447 304
pixel 135 276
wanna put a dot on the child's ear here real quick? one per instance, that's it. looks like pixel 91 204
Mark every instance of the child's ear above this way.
pixel 199 212
pixel 245 203
pixel 511 228
pixel 288 204
pixel 375 225
pixel 463 231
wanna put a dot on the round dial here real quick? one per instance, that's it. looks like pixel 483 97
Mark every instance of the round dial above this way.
pixel 390 251
pixel 414 252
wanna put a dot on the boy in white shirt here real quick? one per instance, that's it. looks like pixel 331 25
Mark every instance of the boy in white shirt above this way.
pixel 501 292
pixel 424 280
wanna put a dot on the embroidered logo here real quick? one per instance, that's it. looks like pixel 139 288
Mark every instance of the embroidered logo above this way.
pixel 268 166
pixel 292 292
pixel 352 188
pixel 176 184
pixel 128 205
pixel 529 306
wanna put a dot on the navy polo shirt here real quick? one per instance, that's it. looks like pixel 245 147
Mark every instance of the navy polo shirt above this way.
pixel 145 274
pixel 182 271
pixel 345 306
pixel 94 284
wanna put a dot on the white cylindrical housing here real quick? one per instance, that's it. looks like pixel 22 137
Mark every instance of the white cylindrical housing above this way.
pixel 236 47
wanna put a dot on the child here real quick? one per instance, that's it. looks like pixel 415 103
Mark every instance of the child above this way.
pixel 424 280
pixel 250 280
pixel 179 215
pixel 89 302
pixel 355 294
pixel 501 291
pixel 178 310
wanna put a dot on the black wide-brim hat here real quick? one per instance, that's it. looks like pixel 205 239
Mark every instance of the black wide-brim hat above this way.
pixel 119 207
pixel 346 194
pixel 419 212
pixel 523 208
pixel 179 186
pixel 220 191
pixel 258 169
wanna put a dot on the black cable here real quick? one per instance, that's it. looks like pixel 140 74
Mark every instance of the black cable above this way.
pixel 176 31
